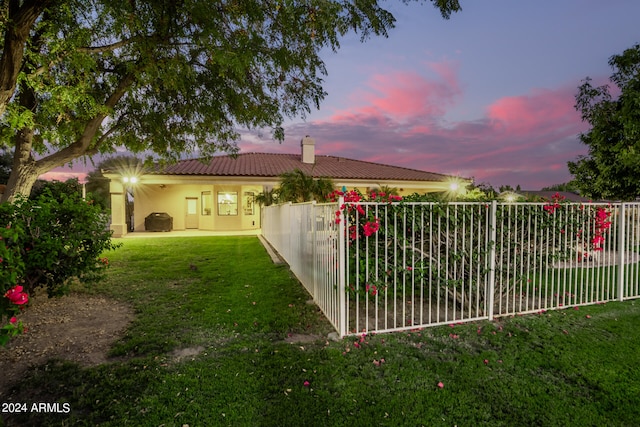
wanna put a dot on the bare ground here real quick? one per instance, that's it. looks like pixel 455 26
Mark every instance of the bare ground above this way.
pixel 77 328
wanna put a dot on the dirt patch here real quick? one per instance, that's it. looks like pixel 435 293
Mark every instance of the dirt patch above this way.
pixel 184 353
pixel 301 338
pixel 78 328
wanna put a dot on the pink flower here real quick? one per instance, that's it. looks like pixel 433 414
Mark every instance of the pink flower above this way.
pixel 353 232
pixel 588 316
pixel 13 320
pixel 371 227
pixel 306 384
pixel 440 385
pixel 16 295
pixel 486 361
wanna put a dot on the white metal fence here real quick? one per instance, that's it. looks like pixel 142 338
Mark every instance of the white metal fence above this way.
pixel 387 267
pixel 307 238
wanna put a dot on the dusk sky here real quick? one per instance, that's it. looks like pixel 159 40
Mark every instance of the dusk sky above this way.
pixel 488 94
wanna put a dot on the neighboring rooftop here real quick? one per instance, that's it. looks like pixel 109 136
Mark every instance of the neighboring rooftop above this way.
pixel 548 195
pixel 273 165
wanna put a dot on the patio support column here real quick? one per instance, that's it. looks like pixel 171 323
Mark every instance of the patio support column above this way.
pixel 118 213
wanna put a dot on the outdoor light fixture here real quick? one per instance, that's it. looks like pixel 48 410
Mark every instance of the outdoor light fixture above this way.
pixel 454 186
pixel 130 179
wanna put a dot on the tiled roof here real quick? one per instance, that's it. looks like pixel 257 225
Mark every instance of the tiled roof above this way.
pixel 273 165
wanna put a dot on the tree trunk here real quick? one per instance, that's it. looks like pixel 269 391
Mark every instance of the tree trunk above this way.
pixel 20 182
pixel 24 171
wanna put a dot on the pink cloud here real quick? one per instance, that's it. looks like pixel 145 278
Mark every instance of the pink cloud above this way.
pixel 403 118
pixel 525 139
pixel 63 176
pixel 542 110
pixel 403 96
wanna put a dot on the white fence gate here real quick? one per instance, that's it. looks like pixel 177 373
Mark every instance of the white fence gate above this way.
pixel 387 267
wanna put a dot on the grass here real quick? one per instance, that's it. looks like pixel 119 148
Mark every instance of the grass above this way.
pixel 570 367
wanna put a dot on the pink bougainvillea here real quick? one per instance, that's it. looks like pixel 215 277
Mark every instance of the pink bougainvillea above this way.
pixel 16 296
pixel 554 204
pixel 371 227
pixel 602 224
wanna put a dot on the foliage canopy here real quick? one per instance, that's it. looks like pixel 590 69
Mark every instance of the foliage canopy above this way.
pixel 612 167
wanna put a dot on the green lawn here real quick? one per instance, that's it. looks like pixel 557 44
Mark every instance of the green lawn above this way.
pixel 571 367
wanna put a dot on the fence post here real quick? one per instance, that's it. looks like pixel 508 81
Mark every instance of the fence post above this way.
pixel 491 286
pixel 342 267
pixel 621 251
pixel 314 247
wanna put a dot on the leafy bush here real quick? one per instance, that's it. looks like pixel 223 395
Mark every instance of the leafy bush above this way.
pixel 11 270
pixel 48 242
pixel 447 244
pixel 61 239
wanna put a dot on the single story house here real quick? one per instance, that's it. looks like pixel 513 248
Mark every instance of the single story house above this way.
pixel 218 195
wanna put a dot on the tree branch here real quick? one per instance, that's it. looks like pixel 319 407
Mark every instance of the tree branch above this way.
pixel 106 48
pixel 20 21
pixel 81 146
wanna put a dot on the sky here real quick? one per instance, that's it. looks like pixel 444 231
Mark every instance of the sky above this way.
pixel 488 94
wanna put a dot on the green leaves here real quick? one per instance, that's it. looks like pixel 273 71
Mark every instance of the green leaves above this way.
pixel 296 186
pixel 59 239
pixel 614 138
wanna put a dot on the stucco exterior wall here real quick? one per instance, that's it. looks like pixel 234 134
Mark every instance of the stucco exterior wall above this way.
pixel 218 203
pixel 210 215
pixel 118 216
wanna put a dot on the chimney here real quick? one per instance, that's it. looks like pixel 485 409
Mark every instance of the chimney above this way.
pixel 308 145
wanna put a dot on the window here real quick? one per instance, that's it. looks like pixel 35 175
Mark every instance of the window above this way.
pixel 227 203
pixel 247 197
pixel 207 203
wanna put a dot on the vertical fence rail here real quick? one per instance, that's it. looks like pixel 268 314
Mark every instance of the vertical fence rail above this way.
pixel 308 238
pixel 430 264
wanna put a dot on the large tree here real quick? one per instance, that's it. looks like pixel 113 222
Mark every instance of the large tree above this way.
pixel 612 167
pixel 78 77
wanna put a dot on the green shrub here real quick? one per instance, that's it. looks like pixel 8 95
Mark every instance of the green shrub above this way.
pixel 60 239
pixel 11 270
pixel 48 242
